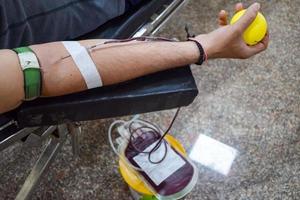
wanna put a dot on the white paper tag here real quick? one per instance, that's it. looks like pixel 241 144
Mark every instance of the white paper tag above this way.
pixel 28 60
pixel 213 154
pixel 161 171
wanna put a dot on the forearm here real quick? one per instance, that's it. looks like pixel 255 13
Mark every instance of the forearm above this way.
pixel 11 81
pixel 115 63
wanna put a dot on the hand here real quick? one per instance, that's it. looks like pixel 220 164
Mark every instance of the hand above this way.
pixel 227 40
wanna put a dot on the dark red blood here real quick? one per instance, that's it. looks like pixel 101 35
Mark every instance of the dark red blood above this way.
pixel 175 182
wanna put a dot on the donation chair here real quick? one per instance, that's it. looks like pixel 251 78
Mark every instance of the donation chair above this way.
pixel 55 118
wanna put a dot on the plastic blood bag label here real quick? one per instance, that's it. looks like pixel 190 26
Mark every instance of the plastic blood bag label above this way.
pixel 161 171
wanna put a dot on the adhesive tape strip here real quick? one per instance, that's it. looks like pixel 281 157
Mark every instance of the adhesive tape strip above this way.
pixel 85 64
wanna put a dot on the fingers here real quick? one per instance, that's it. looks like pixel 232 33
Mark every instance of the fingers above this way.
pixel 259 47
pixel 223 18
pixel 265 41
pixel 239 7
pixel 248 17
pixel 223 15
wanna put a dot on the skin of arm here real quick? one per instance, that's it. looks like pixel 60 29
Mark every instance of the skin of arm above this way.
pixel 121 62
pixel 11 81
pixel 115 63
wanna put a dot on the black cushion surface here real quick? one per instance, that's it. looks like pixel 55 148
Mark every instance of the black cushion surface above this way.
pixel 163 90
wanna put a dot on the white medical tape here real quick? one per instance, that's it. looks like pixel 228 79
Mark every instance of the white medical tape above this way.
pixel 84 63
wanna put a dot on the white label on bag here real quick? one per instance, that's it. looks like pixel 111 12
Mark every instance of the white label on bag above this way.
pixel 161 171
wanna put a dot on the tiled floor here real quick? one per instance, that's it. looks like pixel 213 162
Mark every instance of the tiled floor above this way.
pixel 252 105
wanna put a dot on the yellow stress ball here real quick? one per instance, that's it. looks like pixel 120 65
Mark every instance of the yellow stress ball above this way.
pixel 256 31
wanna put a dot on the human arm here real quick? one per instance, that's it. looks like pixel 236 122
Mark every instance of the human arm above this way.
pixel 119 62
pixel 116 63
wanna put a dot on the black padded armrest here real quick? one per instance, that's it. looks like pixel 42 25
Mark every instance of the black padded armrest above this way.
pixel 164 90
pixel 4 119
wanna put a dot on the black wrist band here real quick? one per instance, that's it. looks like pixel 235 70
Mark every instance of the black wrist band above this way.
pixel 202 56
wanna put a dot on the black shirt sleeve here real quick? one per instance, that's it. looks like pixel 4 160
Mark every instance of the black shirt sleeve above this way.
pixel 39 21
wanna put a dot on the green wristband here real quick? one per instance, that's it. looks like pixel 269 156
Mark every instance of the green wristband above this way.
pixel 31 71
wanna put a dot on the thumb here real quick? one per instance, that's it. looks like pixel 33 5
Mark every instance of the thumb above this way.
pixel 248 17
